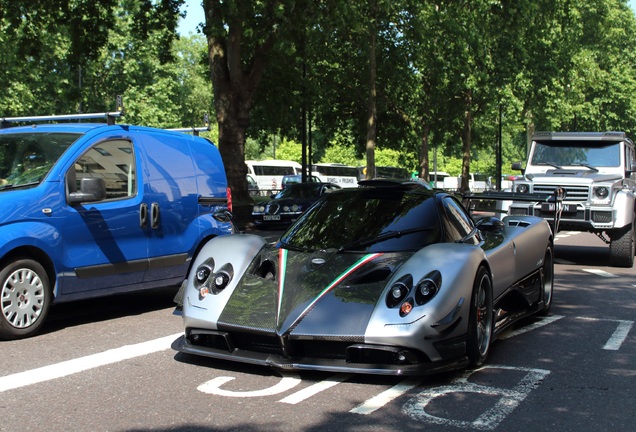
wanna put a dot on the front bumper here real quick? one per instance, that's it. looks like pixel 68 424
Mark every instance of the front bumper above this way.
pixel 574 216
pixel 354 358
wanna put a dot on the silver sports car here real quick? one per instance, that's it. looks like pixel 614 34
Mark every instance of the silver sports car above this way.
pixel 388 278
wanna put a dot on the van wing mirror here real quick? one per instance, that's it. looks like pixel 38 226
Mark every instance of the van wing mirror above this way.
pixel 91 189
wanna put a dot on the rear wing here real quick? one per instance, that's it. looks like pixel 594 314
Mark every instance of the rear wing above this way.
pixel 495 202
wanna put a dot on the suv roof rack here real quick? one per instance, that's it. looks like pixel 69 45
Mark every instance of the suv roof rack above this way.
pixel 581 136
pixel 5 122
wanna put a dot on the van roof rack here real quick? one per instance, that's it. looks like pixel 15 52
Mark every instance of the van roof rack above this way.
pixel 111 117
pixel 195 130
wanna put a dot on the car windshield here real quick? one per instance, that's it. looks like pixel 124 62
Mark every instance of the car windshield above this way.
pixel 300 190
pixel 26 158
pixel 367 220
pixel 576 153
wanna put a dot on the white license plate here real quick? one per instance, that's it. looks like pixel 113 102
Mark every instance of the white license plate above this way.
pixel 271 217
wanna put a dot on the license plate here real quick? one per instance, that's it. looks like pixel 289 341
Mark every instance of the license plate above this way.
pixel 271 217
pixel 549 208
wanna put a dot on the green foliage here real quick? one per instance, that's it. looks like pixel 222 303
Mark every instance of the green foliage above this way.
pixel 546 64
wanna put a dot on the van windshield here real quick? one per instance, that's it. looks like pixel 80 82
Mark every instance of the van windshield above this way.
pixel 26 158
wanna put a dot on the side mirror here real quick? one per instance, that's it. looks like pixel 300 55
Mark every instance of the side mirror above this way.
pixel 91 189
pixel 517 167
pixel 489 224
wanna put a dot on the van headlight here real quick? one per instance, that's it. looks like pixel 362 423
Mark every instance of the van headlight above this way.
pixel 522 188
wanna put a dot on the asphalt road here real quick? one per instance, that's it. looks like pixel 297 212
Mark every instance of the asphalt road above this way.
pixel 106 365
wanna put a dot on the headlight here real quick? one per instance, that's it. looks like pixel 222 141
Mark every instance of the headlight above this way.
pixel 428 287
pixel 295 208
pixel 601 192
pixel 397 293
pixel 203 273
pixel 221 280
pixel 522 188
pixel 258 209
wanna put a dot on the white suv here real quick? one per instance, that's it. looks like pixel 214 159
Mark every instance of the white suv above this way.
pixel 598 172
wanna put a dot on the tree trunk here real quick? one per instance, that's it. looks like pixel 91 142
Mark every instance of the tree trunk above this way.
pixel 424 160
pixel 466 141
pixel 372 113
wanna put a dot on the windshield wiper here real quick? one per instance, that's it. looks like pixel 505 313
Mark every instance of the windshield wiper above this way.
pixel 586 166
pixel 552 164
pixel 18 186
pixel 382 237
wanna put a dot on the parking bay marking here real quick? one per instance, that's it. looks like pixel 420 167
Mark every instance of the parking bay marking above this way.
pixel 599 272
pixel 620 334
pixel 69 367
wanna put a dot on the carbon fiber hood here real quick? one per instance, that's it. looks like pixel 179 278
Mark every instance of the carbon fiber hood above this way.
pixel 301 294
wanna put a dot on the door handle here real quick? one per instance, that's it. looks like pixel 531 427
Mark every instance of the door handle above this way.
pixel 143 215
pixel 154 215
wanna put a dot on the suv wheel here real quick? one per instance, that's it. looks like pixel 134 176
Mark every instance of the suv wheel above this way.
pixel 622 246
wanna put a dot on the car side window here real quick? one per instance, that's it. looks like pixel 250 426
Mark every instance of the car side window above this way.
pixel 114 162
pixel 457 223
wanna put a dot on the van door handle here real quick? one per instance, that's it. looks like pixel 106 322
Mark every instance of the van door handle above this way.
pixel 143 215
pixel 154 215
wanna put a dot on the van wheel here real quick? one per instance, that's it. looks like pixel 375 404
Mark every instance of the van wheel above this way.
pixel 622 246
pixel 25 296
pixel 480 320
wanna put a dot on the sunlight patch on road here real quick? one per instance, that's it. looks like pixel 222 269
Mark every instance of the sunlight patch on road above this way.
pixel 70 367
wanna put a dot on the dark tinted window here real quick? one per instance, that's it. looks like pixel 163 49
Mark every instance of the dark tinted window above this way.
pixel 347 216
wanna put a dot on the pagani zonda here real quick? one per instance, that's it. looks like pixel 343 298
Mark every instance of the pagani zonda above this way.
pixel 388 278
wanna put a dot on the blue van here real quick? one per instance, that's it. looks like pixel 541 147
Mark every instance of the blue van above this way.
pixel 90 210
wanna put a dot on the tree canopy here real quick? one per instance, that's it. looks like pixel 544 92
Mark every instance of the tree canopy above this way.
pixel 419 84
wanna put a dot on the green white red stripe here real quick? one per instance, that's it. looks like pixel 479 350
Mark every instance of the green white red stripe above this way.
pixel 282 271
pixel 282 257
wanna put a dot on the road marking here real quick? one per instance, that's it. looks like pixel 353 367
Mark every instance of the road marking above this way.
pixel 509 398
pixel 287 382
pixel 378 401
pixel 620 334
pixel 70 367
pixel 602 273
pixel 544 322
pixel 312 390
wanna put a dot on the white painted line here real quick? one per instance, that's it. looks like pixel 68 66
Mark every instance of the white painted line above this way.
pixel 618 337
pixel 378 401
pixel 312 390
pixel 509 399
pixel 69 367
pixel 602 273
pixel 620 334
pixel 544 322
pixel 288 381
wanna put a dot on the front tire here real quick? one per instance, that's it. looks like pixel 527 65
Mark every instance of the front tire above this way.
pixel 547 281
pixel 480 321
pixel 25 296
pixel 622 246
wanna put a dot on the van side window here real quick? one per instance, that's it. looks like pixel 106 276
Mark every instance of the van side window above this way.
pixel 114 162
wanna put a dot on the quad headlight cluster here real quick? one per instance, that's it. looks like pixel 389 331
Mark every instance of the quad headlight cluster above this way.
pixel 406 295
pixel 207 281
pixel 258 209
